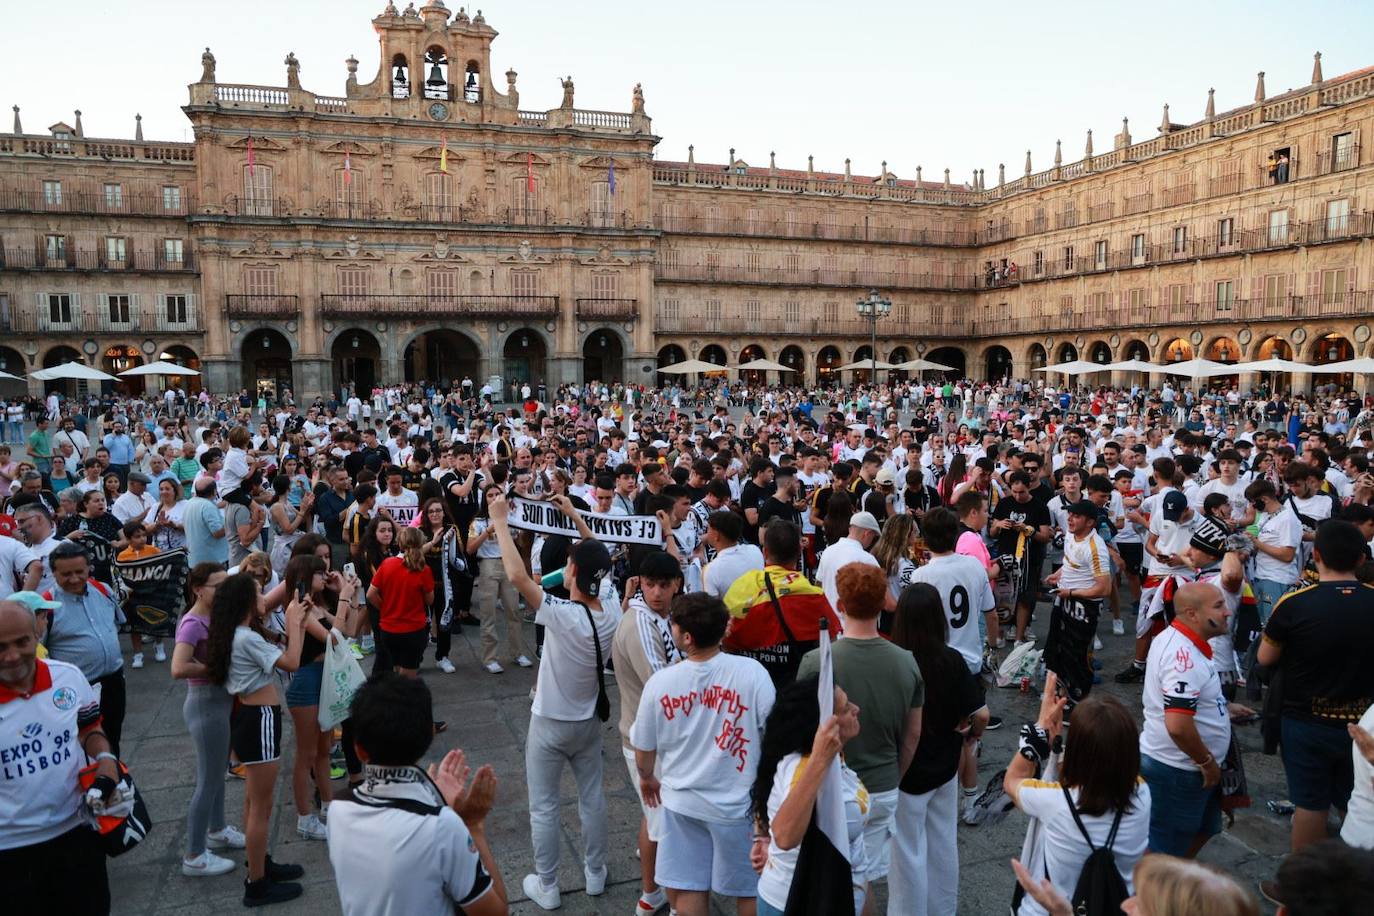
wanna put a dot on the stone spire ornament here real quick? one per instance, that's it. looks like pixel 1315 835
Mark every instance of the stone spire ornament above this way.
pixel 138 128
pixel 1211 112
pixel 918 176
pixel 691 154
pixel 847 175
pixel 1125 131
pixel 1058 154
pixel 946 178
pixel 1317 69
pixel 810 166
pixel 1259 88
pixel 1001 174
pixel 18 128
pixel 1165 123
pixel 1028 162
pixel 1088 147
pixel 772 161
pixel 79 130
pixel 883 174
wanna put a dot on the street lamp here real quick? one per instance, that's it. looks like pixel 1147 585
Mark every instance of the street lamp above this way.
pixel 871 308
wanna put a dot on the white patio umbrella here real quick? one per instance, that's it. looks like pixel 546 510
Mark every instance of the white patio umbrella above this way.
pixel 1074 367
pixel 73 370
pixel 1362 364
pixel 1134 365
pixel 161 367
pixel 764 365
pixel 691 367
pixel 1198 368
pixel 15 378
pixel 1277 364
pixel 860 364
pixel 923 365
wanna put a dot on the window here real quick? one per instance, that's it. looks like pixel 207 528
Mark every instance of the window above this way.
pixel 752 261
pixel 1344 154
pixel 671 257
pixel 1068 257
pixel 1138 248
pixel 172 251
pixel 1337 218
pixel 56 247
pixel 1097 302
pixel 713 310
pixel 1226 232
pixel 791 312
pixel 754 219
pixel 671 308
pixel 711 221
pixel 1278 227
pixel 440 284
pixel 1100 254
pixel 353 281
pixel 605 286
pixel 1180 238
pixel 753 312
pixel 115 249
pixel 601 204
pixel 52 193
pixel 830 311
pixel 348 195
pixel 524 198
pixel 114 196
pixel 1333 286
pixel 260 281
pixel 1136 299
pixel 1275 290
pixel 793 262
pixel 171 198
pixel 712 260
pixel 257 191
pixel 118 308
pixel 1176 294
pixel 524 284
pixel 60 308
pixel 1280 165
pixel 1039 263
pixel 176 307
pixel 1226 295
pixel 793 223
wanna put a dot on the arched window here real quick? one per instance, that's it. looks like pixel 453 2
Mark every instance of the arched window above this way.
pixel 436 79
pixel 472 83
pixel 400 77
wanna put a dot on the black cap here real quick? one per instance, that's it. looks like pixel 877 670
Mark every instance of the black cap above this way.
pixel 593 561
pixel 1083 507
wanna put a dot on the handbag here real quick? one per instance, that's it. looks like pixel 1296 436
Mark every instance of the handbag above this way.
pixel 603 702
pixel 341 679
pixel 123 824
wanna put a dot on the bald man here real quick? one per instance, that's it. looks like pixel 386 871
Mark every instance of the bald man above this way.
pixel 48 856
pixel 1187 724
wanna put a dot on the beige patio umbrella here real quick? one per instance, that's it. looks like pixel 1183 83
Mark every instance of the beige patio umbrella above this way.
pixel 864 364
pixel 72 370
pixel 763 365
pixel 691 367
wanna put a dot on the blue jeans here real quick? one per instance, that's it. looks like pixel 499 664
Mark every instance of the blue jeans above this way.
pixel 764 908
pixel 1267 594
pixel 1181 810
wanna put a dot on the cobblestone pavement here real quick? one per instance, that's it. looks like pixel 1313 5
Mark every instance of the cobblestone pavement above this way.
pixel 488 717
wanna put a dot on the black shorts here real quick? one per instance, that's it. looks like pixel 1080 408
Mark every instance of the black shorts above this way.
pixel 1132 554
pixel 255 734
pixel 406 649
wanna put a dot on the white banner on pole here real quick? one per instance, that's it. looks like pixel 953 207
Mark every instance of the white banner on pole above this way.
pixel 546 518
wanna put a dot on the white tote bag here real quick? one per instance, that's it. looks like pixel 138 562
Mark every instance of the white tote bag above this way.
pixel 342 678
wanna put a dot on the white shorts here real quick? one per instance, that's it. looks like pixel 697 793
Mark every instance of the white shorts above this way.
pixel 882 809
pixel 652 816
pixel 697 855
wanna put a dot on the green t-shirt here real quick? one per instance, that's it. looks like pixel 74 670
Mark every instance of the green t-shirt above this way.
pixel 40 444
pixel 186 470
pixel 885 682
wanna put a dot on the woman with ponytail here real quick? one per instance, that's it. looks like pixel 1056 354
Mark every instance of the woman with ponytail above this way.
pixel 402 590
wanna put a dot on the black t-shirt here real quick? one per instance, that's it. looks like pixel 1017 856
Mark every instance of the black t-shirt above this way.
pixel 952 695
pixel 752 496
pixel 1325 632
pixel 374 458
pixel 1032 512
pixel 775 508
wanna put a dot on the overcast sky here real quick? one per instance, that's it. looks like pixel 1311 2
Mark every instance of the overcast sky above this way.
pixel 957 85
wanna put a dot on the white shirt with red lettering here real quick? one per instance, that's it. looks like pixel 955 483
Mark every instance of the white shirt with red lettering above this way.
pixel 1180 679
pixel 705 721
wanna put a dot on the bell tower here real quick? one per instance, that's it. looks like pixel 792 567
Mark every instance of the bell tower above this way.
pixel 429 57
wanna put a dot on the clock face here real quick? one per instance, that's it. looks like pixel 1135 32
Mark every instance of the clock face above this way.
pixel 438 111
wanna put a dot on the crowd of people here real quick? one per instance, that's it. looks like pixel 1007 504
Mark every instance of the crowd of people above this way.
pixel 914 543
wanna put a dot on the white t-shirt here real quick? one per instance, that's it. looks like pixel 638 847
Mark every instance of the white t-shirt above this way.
pixel 729 565
pixel 1235 492
pixel 1358 829
pixel 1180 679
pixel 839 554
pixel 705 719
pixel 234 472
pixel 15 559
pixel 390 862
pixel 776 879
pixel 402 506
pixel 566 686
pixel 965 592
pixel 1062 843
pixel 129 506
pixel 1171 538
pixel 1280 529
pixel 1084 561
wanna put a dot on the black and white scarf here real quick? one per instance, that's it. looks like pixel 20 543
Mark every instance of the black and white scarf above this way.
pixel 408 788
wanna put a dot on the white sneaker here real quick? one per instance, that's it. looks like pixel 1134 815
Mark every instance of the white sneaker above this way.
pixel 649 904
pixel 445 666
pixel 137 661
pixel 524 661
pixel 1097 644
pixel 159 653
pixel 228 837
pixel 1118 628
pixel 596 883
pixel 206 865
pixel 495 668
pixel 311 827
pixel 546 898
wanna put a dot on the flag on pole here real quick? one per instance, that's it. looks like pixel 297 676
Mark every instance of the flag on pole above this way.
pixel 250 155
pixel 348 168
pixel 823 877
pixel 529 172
pixel 443 156
pixel 611 177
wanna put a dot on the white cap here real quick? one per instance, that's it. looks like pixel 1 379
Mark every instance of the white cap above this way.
pixel 866 521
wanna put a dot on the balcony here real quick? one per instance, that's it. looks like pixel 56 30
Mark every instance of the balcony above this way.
pixel 68 259
pixel 169 319
pixel 798 229
pixel 1338 160
pixel 343 305
pixel 843 279
pixel 476 217
pixel 261 305
pixel 930 326
pixel 97 203
pixel 607 309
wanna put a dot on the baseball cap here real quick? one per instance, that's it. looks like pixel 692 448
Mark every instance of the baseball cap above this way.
pixel 1175 504
pixel 1083 507
pixel 34 601
pixel 866 521
pixel 593 561
pixel 885 477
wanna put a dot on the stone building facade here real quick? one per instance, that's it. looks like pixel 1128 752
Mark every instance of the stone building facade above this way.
pixel 423 226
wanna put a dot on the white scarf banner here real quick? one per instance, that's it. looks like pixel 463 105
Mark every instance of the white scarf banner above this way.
pixel 546 518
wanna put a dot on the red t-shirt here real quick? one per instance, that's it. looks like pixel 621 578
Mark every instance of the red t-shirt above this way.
pixel 403 595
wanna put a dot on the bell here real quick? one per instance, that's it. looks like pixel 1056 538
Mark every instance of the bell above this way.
pixel 472 80
pixel 400 77
pixel 436 78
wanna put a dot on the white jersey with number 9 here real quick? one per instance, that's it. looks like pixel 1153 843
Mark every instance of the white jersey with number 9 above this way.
pixel 965 591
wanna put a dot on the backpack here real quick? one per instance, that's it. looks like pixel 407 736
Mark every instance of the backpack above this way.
pixel 1100 889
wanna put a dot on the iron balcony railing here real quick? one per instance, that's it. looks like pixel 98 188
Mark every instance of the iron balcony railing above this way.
pixel 607 309
pixel 114 319
pixel 840 278
pixel 97 202
pixel 40 257
pixel 346 305
pixel 261 305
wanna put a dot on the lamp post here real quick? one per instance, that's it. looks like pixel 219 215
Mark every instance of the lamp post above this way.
pixel 872 307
